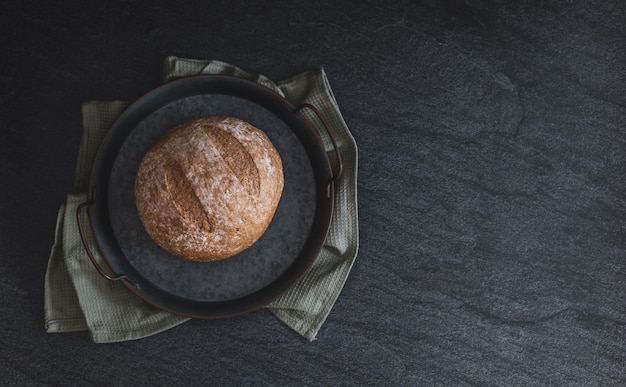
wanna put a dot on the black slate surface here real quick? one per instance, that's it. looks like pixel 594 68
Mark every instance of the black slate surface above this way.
pixel 491 187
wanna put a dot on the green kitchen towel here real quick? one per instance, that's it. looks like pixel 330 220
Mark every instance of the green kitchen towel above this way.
pixel 78 298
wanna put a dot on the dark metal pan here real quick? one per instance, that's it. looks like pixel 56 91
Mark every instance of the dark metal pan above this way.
pixel 251 279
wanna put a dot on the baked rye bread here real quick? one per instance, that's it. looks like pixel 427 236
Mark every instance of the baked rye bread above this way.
pixel 209 188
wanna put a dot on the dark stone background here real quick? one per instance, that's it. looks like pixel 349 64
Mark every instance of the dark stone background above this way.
pixel 491 186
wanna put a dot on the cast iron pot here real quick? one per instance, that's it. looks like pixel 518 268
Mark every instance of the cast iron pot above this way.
pixel 227 288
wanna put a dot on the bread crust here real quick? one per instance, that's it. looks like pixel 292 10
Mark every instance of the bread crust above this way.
pixel 209 188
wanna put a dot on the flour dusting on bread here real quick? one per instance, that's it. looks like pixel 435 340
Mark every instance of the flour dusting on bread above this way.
pixel 209 188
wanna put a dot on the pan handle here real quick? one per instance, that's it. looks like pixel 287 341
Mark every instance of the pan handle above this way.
pixel 92 258
pixel 319 115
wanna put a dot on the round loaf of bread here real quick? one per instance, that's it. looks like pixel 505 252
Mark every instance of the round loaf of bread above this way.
pixel 209 188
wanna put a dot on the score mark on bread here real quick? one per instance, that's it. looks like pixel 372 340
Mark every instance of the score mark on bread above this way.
pixel 209 188
pixel 236 157
pixel 183 196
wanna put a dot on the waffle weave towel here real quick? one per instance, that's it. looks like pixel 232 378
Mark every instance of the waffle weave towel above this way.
pixel 78 298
